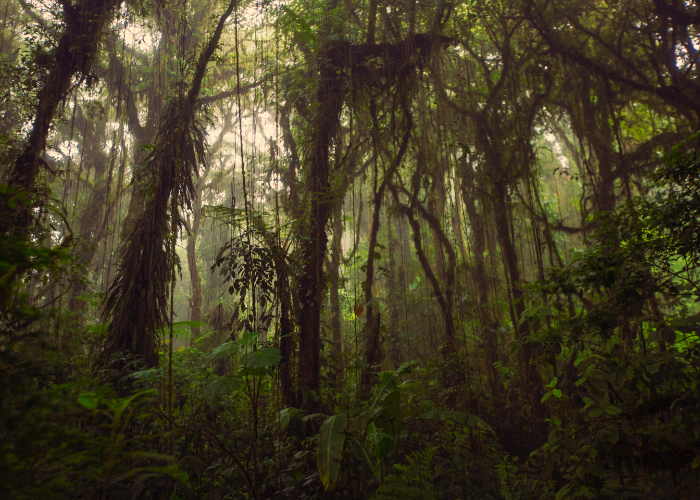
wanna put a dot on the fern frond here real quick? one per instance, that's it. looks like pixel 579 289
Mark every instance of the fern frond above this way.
pixel 415 481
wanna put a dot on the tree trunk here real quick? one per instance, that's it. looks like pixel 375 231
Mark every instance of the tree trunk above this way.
pixel 138 297
pixel 451 372
pixel 533 383
pixel 593 124
pixel 373 347
pixel 336 251
pixel 488 332
pixel 329 101
pixel 89 222
pixel 393 294
pixel 195 278
pixel 73 56
pixel 286 331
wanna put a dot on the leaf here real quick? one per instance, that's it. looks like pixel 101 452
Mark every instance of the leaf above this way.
pixel 390 418
pixel 261 358
pixel 286 415
pixel 388 384
pixel 595 469
pixel 384 444
pixel 595 412
pixel 221 386
pixel 363 455
pixel 598 384
pixel 313 416
pixel 301 28
pixel 330 449
pixel 89 400
pixel 562 492
pixel 147 375
pixel 223 351
pixel 557 393
pixel 610 409
pixel 249 340
pixel 405 368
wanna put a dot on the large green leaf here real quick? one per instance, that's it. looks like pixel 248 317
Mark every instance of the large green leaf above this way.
pixel 364 456
pixel 248 340
pixel 221 386
pixel 330 449
pixel 286 414
pixel 262 358
pixel 383 444
pixel 223 351
pixel 388 384
pixel 390 417
pixel 182 329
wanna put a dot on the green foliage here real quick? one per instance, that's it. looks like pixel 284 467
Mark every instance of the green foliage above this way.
pixel 414 482
pixel 286 415
pixel 260 358
pixel 330 449
pixel 585 382
pixel 630 358
pixel 461 417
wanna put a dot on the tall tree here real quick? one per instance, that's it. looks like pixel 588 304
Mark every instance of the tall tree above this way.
pixel 73 55
pixel 137 299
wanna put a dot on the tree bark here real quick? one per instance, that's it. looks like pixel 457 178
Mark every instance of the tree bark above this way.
pixel 451 372
pixel 89 223
pixel 476 219
pixel 373 347
pixel 195 278
pixel 393 294
pixel 73 55
pixel 329 101
pixel 336 254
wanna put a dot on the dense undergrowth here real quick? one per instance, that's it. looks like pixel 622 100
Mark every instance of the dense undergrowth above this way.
pixel 614 337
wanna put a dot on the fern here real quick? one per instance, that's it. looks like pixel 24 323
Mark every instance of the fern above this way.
pixel 414 483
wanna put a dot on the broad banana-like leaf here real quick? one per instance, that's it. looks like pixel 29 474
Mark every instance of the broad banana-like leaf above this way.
pixel 382 442
pixel 330 449
pixel 364 456
pixel 390 418
pixel 388 384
